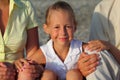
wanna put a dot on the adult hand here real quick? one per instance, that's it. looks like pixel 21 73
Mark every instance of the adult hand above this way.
pixel 7 71
pixel 97 45
pixel 87 63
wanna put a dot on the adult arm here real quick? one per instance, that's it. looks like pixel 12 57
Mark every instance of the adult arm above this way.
pixel 38 57
pixel 115 52
pixel 99 45
pixel 108 68
pixel 32 41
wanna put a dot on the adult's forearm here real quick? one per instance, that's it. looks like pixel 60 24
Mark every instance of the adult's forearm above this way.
pixel 115 52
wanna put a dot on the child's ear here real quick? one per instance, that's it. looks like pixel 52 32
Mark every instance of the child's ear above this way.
pixel 45 27
pixel 74 28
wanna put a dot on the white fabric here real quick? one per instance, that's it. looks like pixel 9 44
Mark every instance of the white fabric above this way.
pixel 106 22
pixel 108 68
pixel 55 64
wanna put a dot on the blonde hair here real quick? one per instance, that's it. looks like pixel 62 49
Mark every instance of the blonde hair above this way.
pixel 61 5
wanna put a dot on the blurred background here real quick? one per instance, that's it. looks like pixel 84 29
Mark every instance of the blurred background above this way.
pixel 83 10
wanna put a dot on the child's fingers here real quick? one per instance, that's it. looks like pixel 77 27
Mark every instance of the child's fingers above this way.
pixel 34 69
pixel 19 64
pixel 30 68
pixel 24 61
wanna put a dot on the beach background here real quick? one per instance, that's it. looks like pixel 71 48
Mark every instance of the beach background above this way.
pixel 83 10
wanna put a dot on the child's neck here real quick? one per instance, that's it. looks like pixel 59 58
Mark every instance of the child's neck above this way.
pixel 61 51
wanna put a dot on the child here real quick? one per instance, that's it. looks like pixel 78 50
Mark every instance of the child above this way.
pixel 59 52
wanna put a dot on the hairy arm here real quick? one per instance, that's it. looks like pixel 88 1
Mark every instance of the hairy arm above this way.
pixel 115 52
pixel 32 41
pixel 38 57
pixel 99 45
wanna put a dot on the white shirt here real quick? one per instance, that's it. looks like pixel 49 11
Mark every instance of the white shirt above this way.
pixel 106 22
pixel 54 63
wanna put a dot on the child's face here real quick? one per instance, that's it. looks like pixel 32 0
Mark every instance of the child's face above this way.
pixel 60 27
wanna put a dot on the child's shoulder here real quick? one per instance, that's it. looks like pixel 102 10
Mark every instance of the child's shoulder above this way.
pixel 79 43
pixel 46 46
pixel 76 43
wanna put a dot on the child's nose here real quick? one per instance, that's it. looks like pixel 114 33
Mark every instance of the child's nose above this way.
pixel 63 31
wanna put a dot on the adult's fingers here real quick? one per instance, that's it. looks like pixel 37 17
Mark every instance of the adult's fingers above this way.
pixel 82 55
pixel 2 64
pixel 88 63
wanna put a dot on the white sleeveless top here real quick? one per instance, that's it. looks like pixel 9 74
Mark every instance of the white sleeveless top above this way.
pixel 55 64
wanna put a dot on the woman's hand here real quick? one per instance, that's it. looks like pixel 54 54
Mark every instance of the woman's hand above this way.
pixel 97 45
pixel 87 63
pixel 7 71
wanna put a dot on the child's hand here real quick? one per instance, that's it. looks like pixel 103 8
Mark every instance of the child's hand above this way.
pixel 30 71
pixel 87 63
pixel 7 71
pixel 33 68
pixel 97 45
pixel 20 63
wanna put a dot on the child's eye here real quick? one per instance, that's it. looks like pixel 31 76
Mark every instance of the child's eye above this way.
pixel 56 27
pixel 68 26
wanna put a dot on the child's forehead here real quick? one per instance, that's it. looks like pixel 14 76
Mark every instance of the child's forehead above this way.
pixel 60 14
pixel 60 11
